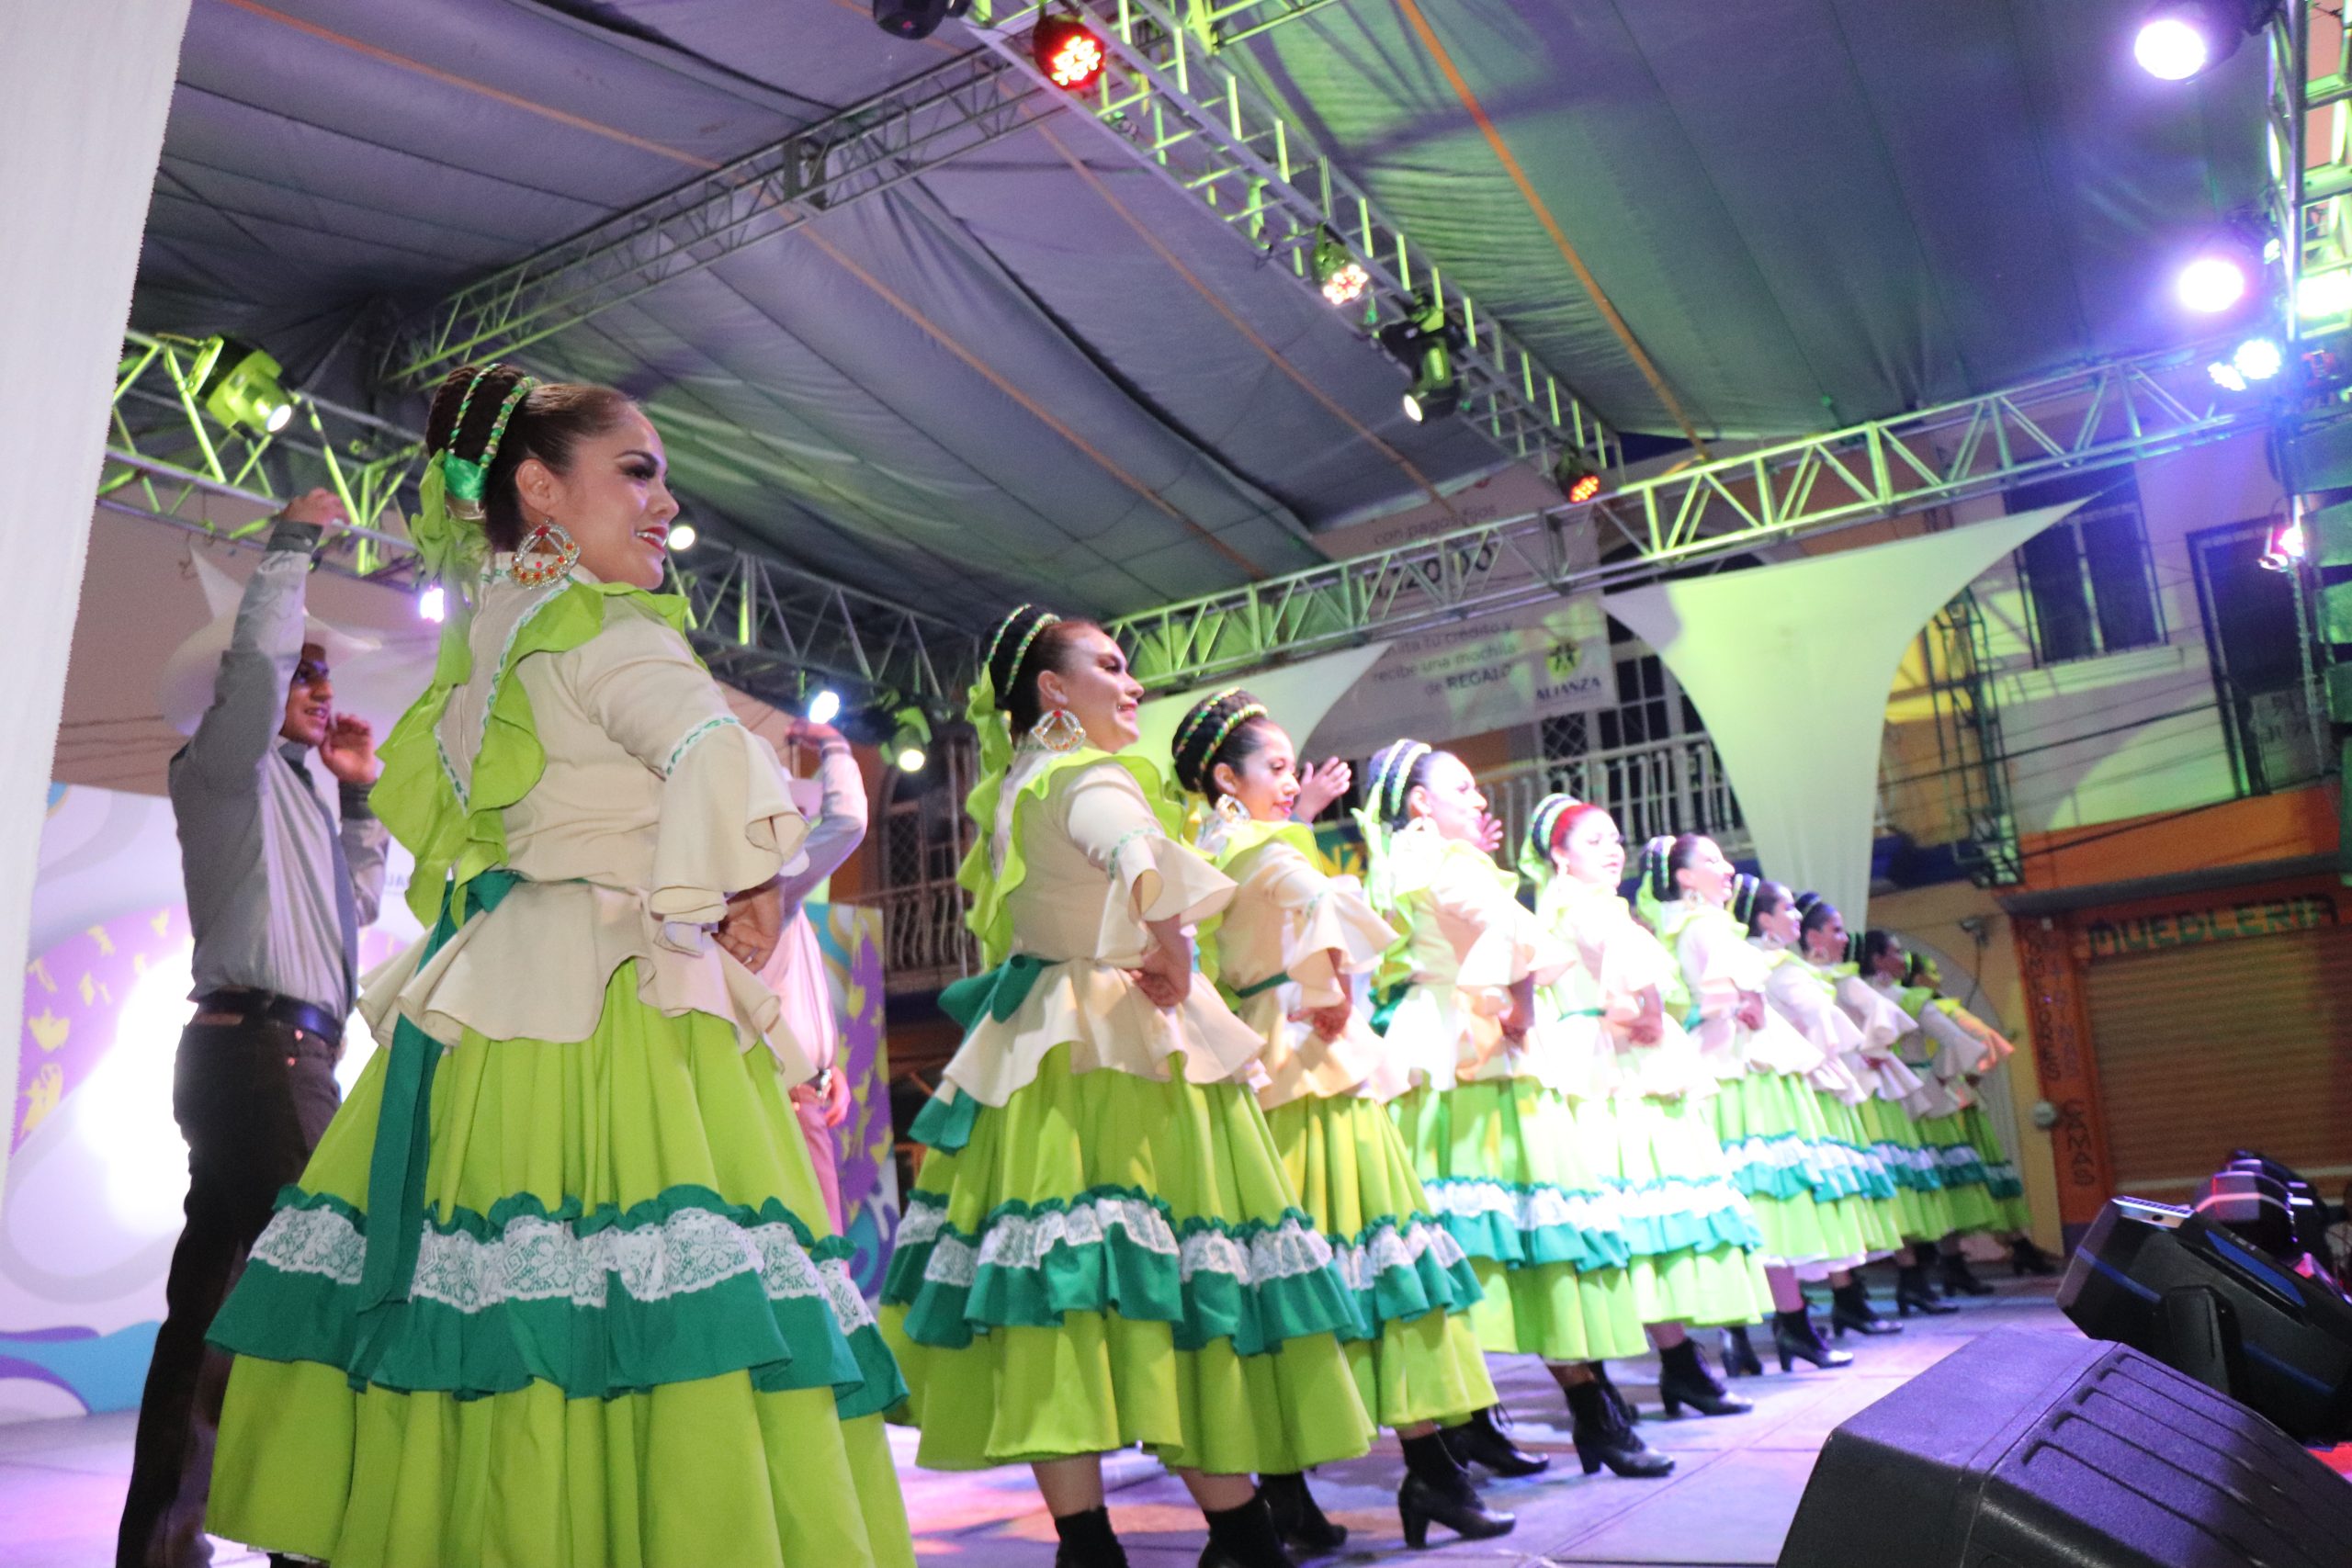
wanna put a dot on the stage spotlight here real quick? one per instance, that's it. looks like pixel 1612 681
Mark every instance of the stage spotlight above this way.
pixel 238 384
pixel 2259 358
pixel 2214 280
pixel 1068 51
pixel 909 744
pixel 1340 276
pixel 825 707
pixel 433 604
pixel 2226 375
pixel 916 18
pixel 1577 480
pixel 2179 39
pixel 1425 343
pixel 682 536
pixel 2285 545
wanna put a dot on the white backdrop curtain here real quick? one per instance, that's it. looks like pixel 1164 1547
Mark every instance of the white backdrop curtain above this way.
pixel 84 88
pixel 1790 666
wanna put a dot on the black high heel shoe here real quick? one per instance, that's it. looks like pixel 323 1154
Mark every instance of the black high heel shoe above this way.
pixel 1602 1437
pixel 1957 1279
pixel 1437 1490
pixel 1794 1338
pixel 1683 1378
pixel 1739 1353
pixel 1298 1517
pixel 1244 1537
pixel 1912 1294
pixel 1849 1308
pixel 2027 1259
pixel 1480 1440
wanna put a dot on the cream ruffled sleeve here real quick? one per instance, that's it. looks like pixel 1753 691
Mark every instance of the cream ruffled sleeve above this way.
pixel 1321 915
pixel 1104 812
pixel 728 822
pixel 1512 943
pixel 1718 964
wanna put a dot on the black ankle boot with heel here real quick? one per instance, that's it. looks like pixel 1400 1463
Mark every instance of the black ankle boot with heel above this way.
pixel 1437 1490
pixel 1684 1378
pixel 1739 1353
pixel 1481 1441
pixel 1298 1519
pixel 1952 1269
pixel 1912 1293
pixel 1087 1541
pixel 1605 1436
pixel 2027 1259
pixel 1850 1311
pixel 1244 1537
pixel 1794 1338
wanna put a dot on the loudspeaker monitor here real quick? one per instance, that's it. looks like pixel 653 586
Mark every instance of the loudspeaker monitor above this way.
pixel 2031 1449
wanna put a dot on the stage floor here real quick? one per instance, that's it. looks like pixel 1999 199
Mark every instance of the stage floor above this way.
pixel 1727 1505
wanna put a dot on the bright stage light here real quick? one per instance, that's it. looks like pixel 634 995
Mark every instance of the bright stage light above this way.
pixel 2285 545
pixel 238 384
pixel 1577 480
pixel 2170 49
pixel 825 707
pixel 1340 276
pixel 2259 358
pixel 433 604
pixel 1067 52
pixel 683 536
pixel 2180 38
pixel 1425 341
pixel 908 745
pixel 2213 282
pixel 2226 375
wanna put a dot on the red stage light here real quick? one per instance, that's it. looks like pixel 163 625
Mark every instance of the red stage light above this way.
pixel 1586 487
pixel 1070 56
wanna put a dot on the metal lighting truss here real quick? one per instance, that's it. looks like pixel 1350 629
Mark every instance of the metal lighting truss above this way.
pixel 768 629
pixel 2115 413
pixel 1168 98
pixel 890 138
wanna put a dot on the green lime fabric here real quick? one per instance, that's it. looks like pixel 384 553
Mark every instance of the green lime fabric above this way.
pixel 995 993
pixel 1505 1170
pixel 622 1239
pixel 1109 1259
pixel 1412 1350
pixel 396 1163
pixel 2002 1182
pixel 1966 1191
pixel 944 1122
pixel 1697 1254
pixel 1921 1212
pixel 1772 1132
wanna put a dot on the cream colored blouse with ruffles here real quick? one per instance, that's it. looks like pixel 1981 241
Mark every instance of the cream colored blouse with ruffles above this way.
pixel 1939 1050
pixel 1800 993
pixel 1718 964
pixel 1881 1021
pixel 1618 962
pixel 1290 917
pixel 655 803
pixel 1099 868
pixel 1468 940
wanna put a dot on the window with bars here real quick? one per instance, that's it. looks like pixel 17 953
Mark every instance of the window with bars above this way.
pixel 1648 759
pixel 2089 583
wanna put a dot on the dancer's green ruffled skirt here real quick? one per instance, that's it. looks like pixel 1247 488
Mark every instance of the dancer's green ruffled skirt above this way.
pixel 1697 1254
pixel 1921 1211
pixel 2002 1182
pixel 1967 1196
pixel 1106 1259
pixel 1412 1349
pixel 1509 1174
pixel 1782 1157
pixel 1865 1188
pixel 629 1339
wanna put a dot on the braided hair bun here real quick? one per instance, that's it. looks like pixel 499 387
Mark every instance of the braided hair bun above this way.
pixel 1025 644
pixel 548 422
pixel 1228 727
pixel 1395 771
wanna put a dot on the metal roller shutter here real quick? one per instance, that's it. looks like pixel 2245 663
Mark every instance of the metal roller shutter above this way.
pixel 2208 1047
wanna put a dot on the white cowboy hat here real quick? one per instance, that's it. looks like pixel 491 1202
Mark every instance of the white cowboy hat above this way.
pixel 184 690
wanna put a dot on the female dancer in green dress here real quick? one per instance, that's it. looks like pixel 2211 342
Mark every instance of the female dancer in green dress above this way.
pixel 1489 1110
pixel 1101 1249
pixel 1644 1106
pixel 559 1286
pixel 1287 952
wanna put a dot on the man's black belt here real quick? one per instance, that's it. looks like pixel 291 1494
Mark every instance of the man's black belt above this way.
pixel 250 1005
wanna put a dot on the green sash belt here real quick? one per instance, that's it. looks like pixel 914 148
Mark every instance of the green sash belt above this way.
pixel 1235 998
pixel 997 993
pixel 396 1167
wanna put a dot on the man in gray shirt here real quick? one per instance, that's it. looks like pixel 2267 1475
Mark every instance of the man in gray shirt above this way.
pixel 282 867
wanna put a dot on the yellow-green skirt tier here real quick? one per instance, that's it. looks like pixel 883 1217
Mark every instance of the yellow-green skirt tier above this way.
pixel 1697 1254
pixel 1108 1259
pixel 628 1338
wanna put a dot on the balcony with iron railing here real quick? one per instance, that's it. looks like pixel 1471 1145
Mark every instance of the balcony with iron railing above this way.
pixel 1667 786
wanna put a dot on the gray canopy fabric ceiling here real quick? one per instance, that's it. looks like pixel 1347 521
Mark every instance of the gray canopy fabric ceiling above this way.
pixel 1040 372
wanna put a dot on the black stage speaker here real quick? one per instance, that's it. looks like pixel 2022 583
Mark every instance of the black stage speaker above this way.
pixel 2197 1297
pixel 2036 1450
